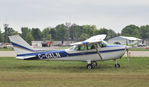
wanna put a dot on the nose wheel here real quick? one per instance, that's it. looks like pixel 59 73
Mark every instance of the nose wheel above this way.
pixel 117 65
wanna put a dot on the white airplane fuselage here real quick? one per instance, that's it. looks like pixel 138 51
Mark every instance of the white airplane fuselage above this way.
pixel 107 53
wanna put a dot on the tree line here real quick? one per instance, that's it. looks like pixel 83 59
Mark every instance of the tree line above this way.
pixel 76 32
pixel 136 31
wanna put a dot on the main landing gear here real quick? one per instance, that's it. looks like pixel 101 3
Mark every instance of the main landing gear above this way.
pixel 117 65
pixel 91 64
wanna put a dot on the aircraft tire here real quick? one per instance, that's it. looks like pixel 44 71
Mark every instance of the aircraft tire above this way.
pixel 94 64
pixel 117 65
pixel 89 66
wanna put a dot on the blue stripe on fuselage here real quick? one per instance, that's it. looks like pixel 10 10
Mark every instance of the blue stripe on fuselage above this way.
pixel 31 54
pixel 63 53
pixel 94 52
pixel 115 46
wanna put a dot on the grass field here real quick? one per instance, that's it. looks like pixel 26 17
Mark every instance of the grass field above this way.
pixel 36 73
pixel 138 49
pixel 6 49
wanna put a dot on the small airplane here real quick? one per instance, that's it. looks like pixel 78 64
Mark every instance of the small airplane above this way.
pixel 91 50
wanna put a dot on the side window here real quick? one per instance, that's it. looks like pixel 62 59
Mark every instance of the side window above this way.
pixel 82 47
pixel 90 46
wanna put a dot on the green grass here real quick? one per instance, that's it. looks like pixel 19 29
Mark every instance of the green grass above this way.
pixel 138 49
pixel 37 73
pixel 6 49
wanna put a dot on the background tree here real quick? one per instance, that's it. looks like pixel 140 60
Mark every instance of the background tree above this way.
pixel 25 31
pixel 89 29
pixel 84 36
pixel 103 31
pixel 111 33
pixel 48 37
pixel 36 33
pixel 26 34
pixel 75 32
pixel 131 30
pixel 61 32
pixel 29 38
pixel 11 31
pixel 1 37
pixel 144 32
pixel 45 32
pixel 52 32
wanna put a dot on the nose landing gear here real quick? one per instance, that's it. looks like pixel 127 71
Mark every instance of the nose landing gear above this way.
pixel 117 65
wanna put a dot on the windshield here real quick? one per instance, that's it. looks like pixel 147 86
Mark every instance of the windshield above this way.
pixel 72 48
pixel 103 44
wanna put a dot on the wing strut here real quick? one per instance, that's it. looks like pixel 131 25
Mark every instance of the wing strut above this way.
pixel 97 49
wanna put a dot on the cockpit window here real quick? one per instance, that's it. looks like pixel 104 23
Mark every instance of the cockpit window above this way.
pixel 102 44
pixel 72 48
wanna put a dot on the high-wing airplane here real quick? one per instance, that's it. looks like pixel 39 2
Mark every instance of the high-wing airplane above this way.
pixel 91 50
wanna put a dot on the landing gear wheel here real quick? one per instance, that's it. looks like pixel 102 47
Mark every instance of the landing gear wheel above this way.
pixel 117 65
pixel 94 64
pixel 89 66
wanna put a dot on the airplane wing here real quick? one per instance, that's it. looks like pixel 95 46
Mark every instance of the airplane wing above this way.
pixel 93 39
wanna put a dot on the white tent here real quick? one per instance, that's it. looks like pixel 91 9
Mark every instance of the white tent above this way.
pixel 125 40
pixel 130 38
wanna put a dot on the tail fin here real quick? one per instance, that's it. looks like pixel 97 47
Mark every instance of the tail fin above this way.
pixel 21 47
